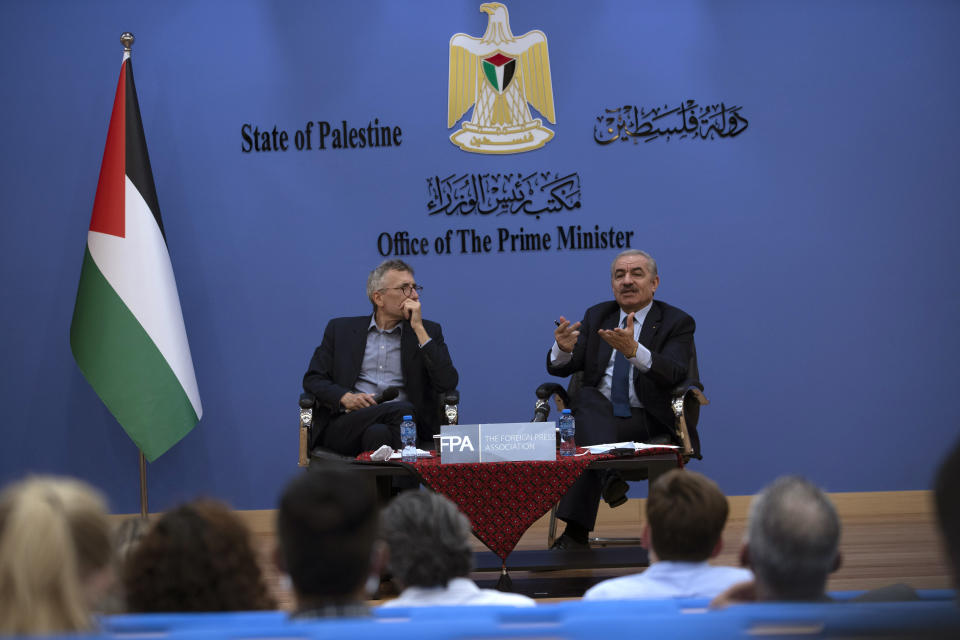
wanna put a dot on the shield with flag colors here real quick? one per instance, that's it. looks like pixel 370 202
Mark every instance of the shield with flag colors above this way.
pixel 499 70
pixel 127 334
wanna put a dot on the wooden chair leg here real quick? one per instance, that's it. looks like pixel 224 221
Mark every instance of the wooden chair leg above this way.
pixel 552 529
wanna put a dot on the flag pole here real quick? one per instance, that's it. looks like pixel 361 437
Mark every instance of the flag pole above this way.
pixel 126 39
pixel 143 486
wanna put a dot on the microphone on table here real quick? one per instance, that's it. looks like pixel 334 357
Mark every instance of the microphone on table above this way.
pixel 386 395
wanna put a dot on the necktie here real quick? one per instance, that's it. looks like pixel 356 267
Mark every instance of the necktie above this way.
pixel 620 389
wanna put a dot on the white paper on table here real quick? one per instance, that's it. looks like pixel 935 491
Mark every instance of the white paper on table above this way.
pixel 420 454
pixel 636 446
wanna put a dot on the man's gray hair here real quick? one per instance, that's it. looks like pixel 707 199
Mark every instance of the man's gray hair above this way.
pixel 792 537
pixel 635 252
pixel 428 539
pixel 375 279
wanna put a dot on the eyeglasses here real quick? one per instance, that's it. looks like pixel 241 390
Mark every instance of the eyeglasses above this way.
pixel 406 289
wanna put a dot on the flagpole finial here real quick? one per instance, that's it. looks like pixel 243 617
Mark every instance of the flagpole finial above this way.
pixel 126 39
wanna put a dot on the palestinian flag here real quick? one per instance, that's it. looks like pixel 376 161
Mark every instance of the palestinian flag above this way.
pixel 127 334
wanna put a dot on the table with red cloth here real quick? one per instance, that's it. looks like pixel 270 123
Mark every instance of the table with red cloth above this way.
pixel 503 499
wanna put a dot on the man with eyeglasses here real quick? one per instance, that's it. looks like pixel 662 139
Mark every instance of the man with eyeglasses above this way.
pixel 362 356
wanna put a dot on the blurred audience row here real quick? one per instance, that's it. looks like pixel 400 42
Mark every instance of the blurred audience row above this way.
pixel 61 562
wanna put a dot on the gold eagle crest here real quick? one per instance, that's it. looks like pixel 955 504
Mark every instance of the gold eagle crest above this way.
pixel 499 75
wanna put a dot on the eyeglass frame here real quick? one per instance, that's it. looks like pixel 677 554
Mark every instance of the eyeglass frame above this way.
pixel 410 289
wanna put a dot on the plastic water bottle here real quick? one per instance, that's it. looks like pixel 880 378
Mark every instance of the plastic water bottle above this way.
pixel 568 428
pixel 408 438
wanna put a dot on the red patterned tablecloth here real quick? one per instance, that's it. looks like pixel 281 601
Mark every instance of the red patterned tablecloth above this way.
pixel 503 499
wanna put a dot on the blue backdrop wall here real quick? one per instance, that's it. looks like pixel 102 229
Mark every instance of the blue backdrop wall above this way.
pixel 814 248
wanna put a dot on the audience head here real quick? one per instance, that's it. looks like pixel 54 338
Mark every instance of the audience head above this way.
pixel 686 513
pixel 428 539
pixel 127 536
pixel 327 530
pixel 55 556
pixel 792 541
pixel 947 497
pixel 196 557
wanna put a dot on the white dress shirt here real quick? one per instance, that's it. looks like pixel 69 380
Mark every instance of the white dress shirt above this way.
pixel 459 591
pixel 642 360
pixel 666 579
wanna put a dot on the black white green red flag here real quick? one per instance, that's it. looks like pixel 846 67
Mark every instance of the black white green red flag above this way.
pixel 127 334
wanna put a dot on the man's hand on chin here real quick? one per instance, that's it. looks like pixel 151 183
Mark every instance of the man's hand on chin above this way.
pixel 411 311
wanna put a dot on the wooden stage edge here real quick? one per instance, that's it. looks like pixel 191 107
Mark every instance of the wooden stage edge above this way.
pixel 884 505
pixel 888 537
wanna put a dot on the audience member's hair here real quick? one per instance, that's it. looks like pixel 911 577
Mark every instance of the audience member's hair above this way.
pixel 127 536
pixel 197 557
pixel 428 539
pixel 793 537
pixel 327 526
pixel 686 512
pixel 375 279
pixel 947 496
pixel 54 542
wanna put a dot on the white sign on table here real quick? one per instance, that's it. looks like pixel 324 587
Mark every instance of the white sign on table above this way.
pixel 507 442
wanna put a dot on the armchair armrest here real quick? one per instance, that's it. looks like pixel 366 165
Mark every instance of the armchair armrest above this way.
pixel 307 402
pixel 451 407
pixel 685 402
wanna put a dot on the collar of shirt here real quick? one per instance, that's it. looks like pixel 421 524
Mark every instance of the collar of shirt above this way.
pixel 638 318
pixel 457 588
pixel 374 327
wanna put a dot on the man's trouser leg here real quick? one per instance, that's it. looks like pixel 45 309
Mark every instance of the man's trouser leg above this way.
pixel 581 502
pixel 367 429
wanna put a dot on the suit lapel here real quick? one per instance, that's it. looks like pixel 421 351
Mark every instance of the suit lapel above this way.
pixel 650 325
pixel 358 344
pixel 408 349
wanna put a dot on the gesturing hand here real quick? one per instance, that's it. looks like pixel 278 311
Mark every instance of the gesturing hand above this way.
pixel 621 339
pixel 566 334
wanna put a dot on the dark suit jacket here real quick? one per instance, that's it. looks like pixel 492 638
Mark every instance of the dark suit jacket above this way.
pixel 667 332
pixel 336 363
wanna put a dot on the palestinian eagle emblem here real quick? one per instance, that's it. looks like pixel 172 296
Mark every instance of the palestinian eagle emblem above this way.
pixel 500 76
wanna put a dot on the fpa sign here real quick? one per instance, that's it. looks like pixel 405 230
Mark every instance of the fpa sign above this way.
pixel 498 442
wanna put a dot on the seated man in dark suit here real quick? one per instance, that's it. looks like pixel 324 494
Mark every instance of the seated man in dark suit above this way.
pixel 632 351
pixel 359 356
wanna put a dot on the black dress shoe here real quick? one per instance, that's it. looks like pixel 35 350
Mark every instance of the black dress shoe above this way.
pixel 567 543
pixel 615 491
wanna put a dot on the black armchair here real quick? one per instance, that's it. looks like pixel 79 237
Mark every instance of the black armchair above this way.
pixel 686 400
pixel 448 409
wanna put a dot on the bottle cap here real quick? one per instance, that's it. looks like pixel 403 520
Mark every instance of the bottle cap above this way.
pixel 566 411
pixel 406 418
